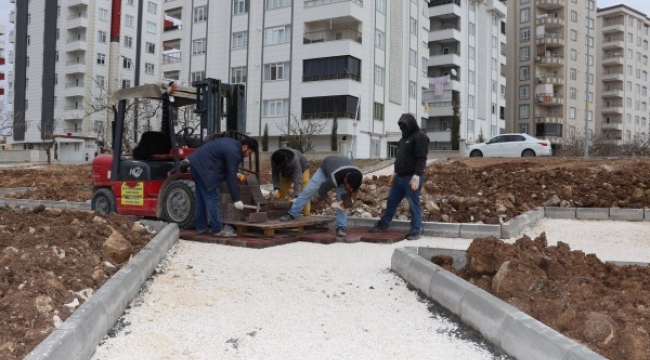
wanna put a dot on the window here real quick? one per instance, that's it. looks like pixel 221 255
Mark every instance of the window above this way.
pixel 324 107
pixel 101 59
pixel 472 28
pixel 151 27
pixel 573 93
pixel 201 13
pixel 524 73
pixel 524 15
pixel 572 113
pixel 380 5
pixel 148 68
pixel 412 89
pixel 471 77
pixel 573 73
pixel 275 107
pixel 126 84
pixel 574 54
pixel 272 4
pixel 198 76
pixel 524 34
pixel 128 42
pixel 574 16
pixel 128 20
pixel 127 63
pixel 590 78
pixel 100 81
pixel 523 128
pixel 591 5
pixel 277 35
pixel 574 35
pixel 238 75
pixel 413 26
pixel 239 7
pixel 276 71
pixel 379 75
pixel 413 58
pixel 425 64
pixel 239 40
pixel 378 111
pixel 630 37
pixel 380 39
pixel 471 52
pixel 524 92
pixel 101 36
pixel 470 101
pixel 152 7
pixel 151 48
pixel 199 46
pixel 129 2
pixel 589 23
pixel 524 111
pixel 589 41
pixel 103 14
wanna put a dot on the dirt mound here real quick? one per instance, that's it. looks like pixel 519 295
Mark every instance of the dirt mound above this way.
pixel 49 259
pixel 601 305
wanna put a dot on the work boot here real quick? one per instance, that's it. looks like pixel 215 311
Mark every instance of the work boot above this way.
pixel 226 232
pixel 340 232
pixel 202 231
pixel 286 217
pixel 378 228
pixel 414 235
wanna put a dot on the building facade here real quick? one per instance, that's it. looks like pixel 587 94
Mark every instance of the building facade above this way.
pixel 623 74
pixel 467 42
pixel 552 68
pixel 361 62
pixel 69 57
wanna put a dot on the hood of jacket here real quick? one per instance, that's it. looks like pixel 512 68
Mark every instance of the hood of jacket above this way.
pixel 411 124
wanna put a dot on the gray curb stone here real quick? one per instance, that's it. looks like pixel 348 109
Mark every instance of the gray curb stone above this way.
pixel 471 231
pixel 559 212
pixel 626 214
pixel 646 215
pixel 449 230
pixel 79 335
pixel 592 213
pixel 518 334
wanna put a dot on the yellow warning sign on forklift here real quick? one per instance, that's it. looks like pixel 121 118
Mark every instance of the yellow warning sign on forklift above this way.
pixel 133 195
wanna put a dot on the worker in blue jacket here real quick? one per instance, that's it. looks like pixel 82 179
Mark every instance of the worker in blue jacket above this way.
pixel 210 165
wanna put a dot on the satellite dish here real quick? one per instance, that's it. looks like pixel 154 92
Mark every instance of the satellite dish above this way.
pixel 453 72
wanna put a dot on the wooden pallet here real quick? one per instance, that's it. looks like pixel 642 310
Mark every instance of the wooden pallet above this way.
pixel 297 226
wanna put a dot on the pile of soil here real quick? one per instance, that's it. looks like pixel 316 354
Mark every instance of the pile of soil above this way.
pixel 54 182
pixel 49 259
pixel 601 305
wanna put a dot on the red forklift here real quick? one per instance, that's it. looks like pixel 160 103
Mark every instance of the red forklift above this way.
pixel 148 182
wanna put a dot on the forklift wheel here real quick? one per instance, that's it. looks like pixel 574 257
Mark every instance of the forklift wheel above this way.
pixel 103 201
pixel 178 203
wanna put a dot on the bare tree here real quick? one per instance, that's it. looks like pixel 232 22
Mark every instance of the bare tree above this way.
pixel 300 133
pixel 49 135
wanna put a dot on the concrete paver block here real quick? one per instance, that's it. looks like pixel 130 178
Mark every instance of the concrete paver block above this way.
pixel 448 290
pixel 553 212
pixel 485 313
pixel 512 227
pixel 472 231
pixel 536 215
pixel 626 214
pixel 401 260
pixel 420 272
pixel 646 214
pixel 438 229
pixel 592 213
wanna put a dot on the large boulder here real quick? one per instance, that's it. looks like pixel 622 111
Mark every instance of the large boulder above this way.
pixel 117 249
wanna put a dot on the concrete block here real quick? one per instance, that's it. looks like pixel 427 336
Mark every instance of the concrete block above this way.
pixel 59 345
pixel 536 215
pixel 49 204
pixel 626 214
pixel 448 290
pixel 420 272
pixel 592 213
pixel 553 212
pixel 472 231
pixel 485 313
pixel 512 227
pixel 580 352
pixel 90 324
pixel 438 229
pixel 257 217
pixel 22 202
pixel 646 214
pixel 401 260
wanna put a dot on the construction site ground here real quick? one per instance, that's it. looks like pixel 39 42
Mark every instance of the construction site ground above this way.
pixel 36 281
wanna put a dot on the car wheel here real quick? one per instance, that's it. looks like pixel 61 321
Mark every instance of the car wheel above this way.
pixel 103 201
pixel 476 153
pixel 528 153
pixel 178 203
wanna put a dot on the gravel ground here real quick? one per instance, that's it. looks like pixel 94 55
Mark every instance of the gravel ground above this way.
pixel 309 301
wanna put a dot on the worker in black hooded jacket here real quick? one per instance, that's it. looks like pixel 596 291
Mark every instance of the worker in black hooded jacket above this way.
pixel 408 177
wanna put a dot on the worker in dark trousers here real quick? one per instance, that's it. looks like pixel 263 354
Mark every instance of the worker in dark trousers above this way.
pixel 408 178
pixel 210 165
pixel 289 166
pixel 335 172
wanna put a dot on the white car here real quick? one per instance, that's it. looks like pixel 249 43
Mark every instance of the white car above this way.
pixel 511 145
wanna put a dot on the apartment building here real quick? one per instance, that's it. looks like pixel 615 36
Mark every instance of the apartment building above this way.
pixel 623 74
pixel 3 62
pixel 552 68
pixel 363 62
pixel 70 56
pixel 467 42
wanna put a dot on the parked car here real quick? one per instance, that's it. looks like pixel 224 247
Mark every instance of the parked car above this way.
pixel 511 145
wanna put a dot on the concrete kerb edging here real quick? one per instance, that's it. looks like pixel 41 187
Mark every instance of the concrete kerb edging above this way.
pixel 518 334
pixel 80 334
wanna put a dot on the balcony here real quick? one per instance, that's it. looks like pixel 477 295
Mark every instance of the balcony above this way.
pixel 497 6
pixel 3 30
pixel 12 17
pixel 2 76
pixel 445 32
pixel 551 40
pixel 78 21
pixel 334 10
pixel 75 3
pixel 549 99
pixel 612 109
pixel 613 44
pixel 548 118
pixel 76 44
pixel 311 3
pixel 11 57
pixel 550 21
pixel 332 35
pixel 12 36
pixel 610 27
pixel 550 79
pixel 445 58
pixel 75 67
pixel 550 60
pixel 73 112
pixel 613 59
pixel 613 76
pixel 550 5
pixel 2 60
pixel 75 90
pixel 612 93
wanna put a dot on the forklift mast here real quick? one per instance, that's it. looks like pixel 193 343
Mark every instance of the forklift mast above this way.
pixel 215 99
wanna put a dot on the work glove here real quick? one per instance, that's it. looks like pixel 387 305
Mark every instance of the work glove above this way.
pixel 276 194
pixel 184 165
pixel 239 205
pixel 415 182
pixel 338 205
pixel 392 179
pixel 241 177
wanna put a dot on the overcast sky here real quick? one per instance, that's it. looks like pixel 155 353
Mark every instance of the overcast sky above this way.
pixel 640 5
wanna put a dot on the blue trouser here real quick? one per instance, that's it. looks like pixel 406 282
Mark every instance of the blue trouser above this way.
pixel 310 191
pixel 206 205
pixel 402 188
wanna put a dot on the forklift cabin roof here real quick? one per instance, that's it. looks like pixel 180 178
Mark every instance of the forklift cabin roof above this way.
pixel 182 96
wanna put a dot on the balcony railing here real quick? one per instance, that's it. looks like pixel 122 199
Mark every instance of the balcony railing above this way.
pixel 172 58
pixel 328 115
pixel 332 35
pixel 331 77
pixel 76 62
pixel 445 27
pixel 73 85
pixel 76 16
pixel 433 3
pixel 442 53
pixel 311 3
pixel 75 39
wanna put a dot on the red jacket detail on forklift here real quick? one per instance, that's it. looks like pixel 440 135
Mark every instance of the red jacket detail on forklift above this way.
pixel 217 161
